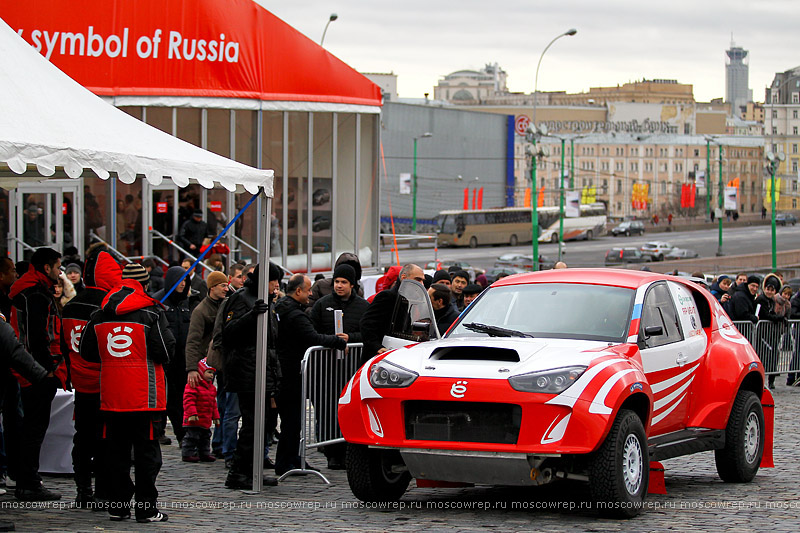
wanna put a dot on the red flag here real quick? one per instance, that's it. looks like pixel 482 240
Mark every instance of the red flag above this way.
pixel 480 198
pixel 466 198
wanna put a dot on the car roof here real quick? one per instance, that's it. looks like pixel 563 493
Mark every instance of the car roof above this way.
pixel 588 276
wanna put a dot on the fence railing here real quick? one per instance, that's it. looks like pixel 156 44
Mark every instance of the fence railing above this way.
pixel 325 372
pixel 776 343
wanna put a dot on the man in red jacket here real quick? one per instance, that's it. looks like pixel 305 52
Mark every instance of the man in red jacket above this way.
pixel 36 320
pixel 101 274
pixel 130 339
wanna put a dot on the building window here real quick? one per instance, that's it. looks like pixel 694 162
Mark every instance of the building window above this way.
pixel 634 166
pixel 619 167
pixel 663 187
pixel 774 130
pixel 794 113
pixel 663 167
pixel 794 130
pixel 619 188
pixel 794 203
pixel 794 148
pixel 648 167
pixel 678 167
pixel 696 152
pixel 794 165
pixel 795 98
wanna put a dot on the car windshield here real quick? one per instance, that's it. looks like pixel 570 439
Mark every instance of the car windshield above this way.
pixel 552 310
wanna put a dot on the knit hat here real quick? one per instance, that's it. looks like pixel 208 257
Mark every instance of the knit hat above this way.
pixel 441 275
pixel 202 366
pixel 472 288
pixel 135 271
pixel 753 279
pixel 72 267
pixel 461 274
pixel 722 278
pixel 215 278
pixel 197 213
pixel 275 272
pixel 345 271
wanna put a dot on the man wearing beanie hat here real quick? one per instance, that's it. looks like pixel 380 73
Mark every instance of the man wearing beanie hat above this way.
pixel 324 286
pixel 130 338
pixel 239 316
pixel 742 305
pixel 460 279
pixel 201 328
pixel 73 272
pixel 344 299
pixel 441 277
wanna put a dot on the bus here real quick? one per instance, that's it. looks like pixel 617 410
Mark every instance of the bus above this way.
pixel 507 225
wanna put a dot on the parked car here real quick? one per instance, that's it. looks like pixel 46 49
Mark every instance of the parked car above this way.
pixel 616 256
pixel 320 223
pixel 445 265
pixel 681 253
pixel 783 219
pixel 321 197
pixel 656 249
pixel 628 228
pixel 584 374
pixel 524 262
pixel 493 274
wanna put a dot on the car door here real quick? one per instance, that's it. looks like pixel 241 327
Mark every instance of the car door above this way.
pixel 412 319
pixel 668 357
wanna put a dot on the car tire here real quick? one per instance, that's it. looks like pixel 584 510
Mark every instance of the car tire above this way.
pixel 513 240
pixel 554 238
pixel 619 470
pixel 740 459
pixel 473 242
pixel 660 257
pixel 627 233
pixel 370 476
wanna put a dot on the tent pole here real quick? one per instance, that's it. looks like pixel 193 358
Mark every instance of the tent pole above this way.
pixel 261 343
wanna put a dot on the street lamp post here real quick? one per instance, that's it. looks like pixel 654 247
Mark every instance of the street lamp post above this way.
pixel 414 204
pixel 333 17
pixel 708 180
pixel 773 163
pixel 532 138
pixel 721 203
pixel 561 203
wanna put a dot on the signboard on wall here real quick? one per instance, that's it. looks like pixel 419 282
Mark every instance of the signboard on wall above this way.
pixel 405 183
pixel 200 48
pixel 215 207
pixel 731 197
pixel 162 207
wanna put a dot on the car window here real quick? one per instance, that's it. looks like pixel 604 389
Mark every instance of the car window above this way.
pixel 658 310
pixel 555 310
pixel 412 306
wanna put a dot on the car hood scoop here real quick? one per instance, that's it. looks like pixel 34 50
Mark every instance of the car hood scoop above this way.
pixel 474 353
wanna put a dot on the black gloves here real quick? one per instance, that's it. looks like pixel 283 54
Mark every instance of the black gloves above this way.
pixel 260 307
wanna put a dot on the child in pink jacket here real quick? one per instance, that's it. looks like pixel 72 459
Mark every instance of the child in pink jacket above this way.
pixel 199 412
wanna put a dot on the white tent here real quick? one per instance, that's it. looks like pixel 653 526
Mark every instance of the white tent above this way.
pixel 49 120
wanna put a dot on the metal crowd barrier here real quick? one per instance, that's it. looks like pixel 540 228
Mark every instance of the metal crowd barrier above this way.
pixel 325 372
pixel 776 343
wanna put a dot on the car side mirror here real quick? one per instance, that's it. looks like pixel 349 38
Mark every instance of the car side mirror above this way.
pixel 653 331
pixel 421 330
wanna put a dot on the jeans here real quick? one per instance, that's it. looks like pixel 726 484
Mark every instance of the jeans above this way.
pixel 196 442
pixel 230 424
pixel 36 401
pixel 219 431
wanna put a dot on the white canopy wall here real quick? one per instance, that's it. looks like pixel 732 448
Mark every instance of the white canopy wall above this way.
pixel 50 121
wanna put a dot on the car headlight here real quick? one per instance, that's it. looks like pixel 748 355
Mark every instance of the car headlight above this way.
pixel 553 381
pixel 384 374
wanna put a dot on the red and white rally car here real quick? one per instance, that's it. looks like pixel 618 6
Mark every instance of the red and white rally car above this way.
pixel 584 374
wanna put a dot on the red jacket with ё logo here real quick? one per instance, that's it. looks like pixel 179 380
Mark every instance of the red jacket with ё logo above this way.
pixel 130 338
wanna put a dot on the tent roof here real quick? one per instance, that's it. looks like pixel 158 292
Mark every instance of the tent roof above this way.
pixel 48 120
pixel 170 48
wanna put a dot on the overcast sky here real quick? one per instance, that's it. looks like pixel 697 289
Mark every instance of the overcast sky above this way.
pixel 617 41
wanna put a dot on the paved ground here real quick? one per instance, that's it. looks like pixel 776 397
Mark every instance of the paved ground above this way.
pixel 196 500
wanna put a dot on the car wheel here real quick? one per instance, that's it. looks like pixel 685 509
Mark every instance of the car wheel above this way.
pixel 619 471
pixel 370 474
pixel 739 460
pixel 627 233
pixel 660 257
pixel 554 238
pixel 473 242
pixel 513 240
pixel 589 235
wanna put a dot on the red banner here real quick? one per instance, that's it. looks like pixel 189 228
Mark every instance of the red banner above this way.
pixel 201 48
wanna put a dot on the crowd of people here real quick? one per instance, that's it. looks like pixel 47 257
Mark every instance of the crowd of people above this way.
pixel 141 348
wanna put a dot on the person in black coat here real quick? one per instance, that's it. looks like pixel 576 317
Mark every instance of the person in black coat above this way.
pixel 344 299
pixel 376 321
pixel 192 233
pixel 770 330
pixel 742 305
pixel 296 334
pixel 178 314
pixel 237 340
